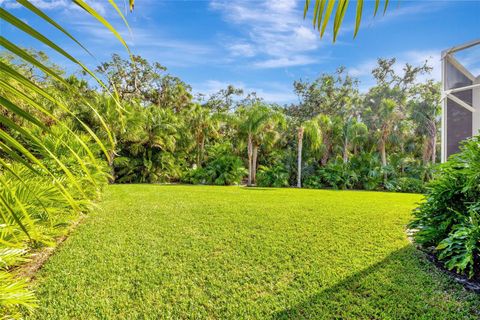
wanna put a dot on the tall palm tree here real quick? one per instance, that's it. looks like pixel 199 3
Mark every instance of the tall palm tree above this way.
pixel 354 133
pixel 311 130
pixel 324 9
pixel 204 125
pixel 425 110
pixel 390 116
pixel 330 128
pixel 258 124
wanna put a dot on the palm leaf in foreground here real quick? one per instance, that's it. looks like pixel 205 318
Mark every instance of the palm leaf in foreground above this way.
pixel 324 9
pixel 37 154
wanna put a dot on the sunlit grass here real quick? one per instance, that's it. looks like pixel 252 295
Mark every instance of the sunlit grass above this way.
pixel 229 252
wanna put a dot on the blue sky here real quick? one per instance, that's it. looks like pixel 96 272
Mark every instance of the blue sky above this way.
pixel 262 46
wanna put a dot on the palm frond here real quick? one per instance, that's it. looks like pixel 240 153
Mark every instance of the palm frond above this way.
pixel 323 10
pixel 43 168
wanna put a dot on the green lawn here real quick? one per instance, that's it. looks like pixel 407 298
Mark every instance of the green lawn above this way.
pixel 178 252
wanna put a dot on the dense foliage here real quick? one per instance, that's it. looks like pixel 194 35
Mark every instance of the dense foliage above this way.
pixel 334 137
pixel 50 172
pixel 449 219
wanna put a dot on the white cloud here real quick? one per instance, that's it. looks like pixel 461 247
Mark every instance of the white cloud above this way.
pixel 274 32
pixel 57 5
pixel 241 49
pixel 283 62
pixel 273 92
pixel 149 42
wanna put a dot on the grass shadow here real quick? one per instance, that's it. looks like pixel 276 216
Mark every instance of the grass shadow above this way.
pixel 404 285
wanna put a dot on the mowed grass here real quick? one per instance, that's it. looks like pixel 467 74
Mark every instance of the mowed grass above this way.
pixel 194 252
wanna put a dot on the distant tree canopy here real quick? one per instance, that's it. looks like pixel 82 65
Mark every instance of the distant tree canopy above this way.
pixel 145 82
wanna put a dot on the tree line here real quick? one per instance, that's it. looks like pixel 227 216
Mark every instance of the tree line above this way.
pixel 334 137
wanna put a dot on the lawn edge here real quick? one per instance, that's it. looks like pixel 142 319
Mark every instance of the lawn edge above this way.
pixel 36 259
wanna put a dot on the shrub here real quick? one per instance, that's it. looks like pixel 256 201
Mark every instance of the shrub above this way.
pixel 222 168
pixel 449 218
pixel 338 175
pixel 406 184
pixel 313 182
pixel 368 169
pixel 275 176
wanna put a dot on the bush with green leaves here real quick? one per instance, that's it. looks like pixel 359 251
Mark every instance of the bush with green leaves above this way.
pixel 275 176
pixel 406 184
pixel 338 175
pixel 448 219
pixel 221 168
pixel 368 170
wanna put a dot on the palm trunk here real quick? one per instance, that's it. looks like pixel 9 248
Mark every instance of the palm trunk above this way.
pixel 198 155
pixel 200 151
pixel 299 157
pixel 326 155
pixel 434 142
pixel 254 164
pixel 345 151
pixel 383 154
pixel 429 152
pixel 250 155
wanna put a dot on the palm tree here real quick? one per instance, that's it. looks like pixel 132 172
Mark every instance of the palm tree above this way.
pixel 384 116
pixel 425 110
pixel 258 124
pixel 389 116
pixel 311 130
pixel 204 125
pixel 331 128
pixel 354 133
pixel 324 9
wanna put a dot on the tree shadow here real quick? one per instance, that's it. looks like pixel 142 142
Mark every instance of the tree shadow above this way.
pixel 404 285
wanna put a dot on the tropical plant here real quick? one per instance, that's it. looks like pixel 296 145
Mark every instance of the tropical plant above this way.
pixel 354 134
pixel 149 156
pixel 338 175
pixel 368 169
pixel 448 219
pixel 275 176
pixel 204 125
pixel 311 131
pixel 25 101
pixel 221 168
pixel 425 111
pixel 258 124
pixel 386 102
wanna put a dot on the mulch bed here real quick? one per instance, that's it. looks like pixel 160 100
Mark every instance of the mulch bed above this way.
pixel 469 284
